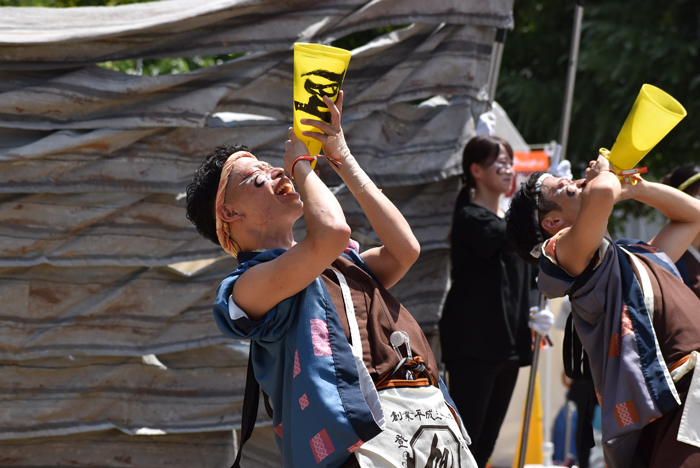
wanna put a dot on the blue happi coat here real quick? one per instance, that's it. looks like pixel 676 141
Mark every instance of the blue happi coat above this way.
pixel 304 362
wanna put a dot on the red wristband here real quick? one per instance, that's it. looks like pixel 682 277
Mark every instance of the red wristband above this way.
pixel 306 157
pixel 633 174
pixel 303 157
pixel 608 170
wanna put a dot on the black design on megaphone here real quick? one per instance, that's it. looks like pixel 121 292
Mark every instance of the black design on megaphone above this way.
pixel 320 83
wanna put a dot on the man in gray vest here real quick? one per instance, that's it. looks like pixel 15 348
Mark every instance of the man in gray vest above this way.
pixel 638 323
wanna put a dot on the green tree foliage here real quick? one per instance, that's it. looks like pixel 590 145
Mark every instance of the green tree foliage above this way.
pixel 154 67
pixel 624 44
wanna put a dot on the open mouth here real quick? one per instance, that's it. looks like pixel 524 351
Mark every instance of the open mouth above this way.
pixel 284 187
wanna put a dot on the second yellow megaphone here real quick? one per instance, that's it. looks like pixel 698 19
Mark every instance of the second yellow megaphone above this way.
pixel 654 114
pixel 319 71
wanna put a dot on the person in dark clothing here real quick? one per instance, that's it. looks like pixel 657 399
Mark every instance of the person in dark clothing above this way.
pixel 484 329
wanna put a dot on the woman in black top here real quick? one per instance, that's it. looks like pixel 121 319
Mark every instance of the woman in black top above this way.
pixel 484 326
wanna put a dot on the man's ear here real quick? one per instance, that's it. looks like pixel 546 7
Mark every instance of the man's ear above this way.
pixel 227 214
pixel 552 223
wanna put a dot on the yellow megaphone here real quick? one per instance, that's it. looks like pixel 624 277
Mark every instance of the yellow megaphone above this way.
pixel 654 114
pixel 318 71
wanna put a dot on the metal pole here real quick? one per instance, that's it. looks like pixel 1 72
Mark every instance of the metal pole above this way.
pixel 530 393
pixel 547 445
pixel 570 408
pixel 496 56
pixel 570 79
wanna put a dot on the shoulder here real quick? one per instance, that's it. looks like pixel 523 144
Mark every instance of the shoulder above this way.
pixel 549 247
pixel 248 260
pixel 472 209
pixel 549 251
pixel 555 281
pixel 234 322
pixel 478 215
pixel 642 249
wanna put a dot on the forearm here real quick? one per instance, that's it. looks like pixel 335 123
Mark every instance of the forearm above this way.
pixel 400 250
pixel 682 210
pixel 325 221
pixel 677 206
pixel 388 223
pixel 260 288
pixel 391 227
pixel 578 245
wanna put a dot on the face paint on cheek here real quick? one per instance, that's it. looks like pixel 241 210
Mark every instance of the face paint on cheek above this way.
pixel 560 190
pixel 260 181
pixel 498 166
pixel 501 167
pixel 257 179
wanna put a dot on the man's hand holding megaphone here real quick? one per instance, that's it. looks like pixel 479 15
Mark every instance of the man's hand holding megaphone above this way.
pixel 602 164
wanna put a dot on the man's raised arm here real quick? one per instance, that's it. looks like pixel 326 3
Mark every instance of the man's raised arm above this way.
pixel 577 246
pixel 682 211
pixel 400 247
pixel 261 288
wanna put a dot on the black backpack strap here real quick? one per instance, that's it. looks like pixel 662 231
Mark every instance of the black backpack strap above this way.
pixel 575 357
pixel 268 406
pixel 251 398
pixel 572 350
pixel 582 392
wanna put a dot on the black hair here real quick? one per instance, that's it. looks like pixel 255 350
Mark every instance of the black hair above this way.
pixel 201 192
pixel 680 175
pixel 483 150
pixel 523 228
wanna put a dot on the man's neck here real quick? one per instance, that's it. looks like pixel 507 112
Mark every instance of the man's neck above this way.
pixel 274 240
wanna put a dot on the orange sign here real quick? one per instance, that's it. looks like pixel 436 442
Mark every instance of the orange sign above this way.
pixel 530 161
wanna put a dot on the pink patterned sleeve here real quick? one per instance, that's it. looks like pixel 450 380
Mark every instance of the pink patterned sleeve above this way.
pixel 352 245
